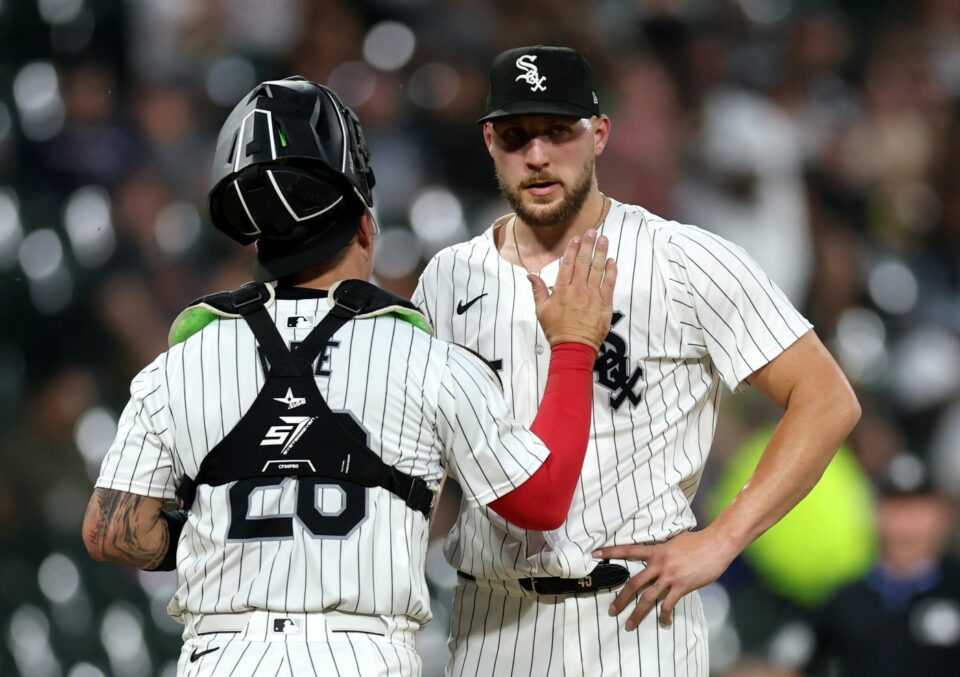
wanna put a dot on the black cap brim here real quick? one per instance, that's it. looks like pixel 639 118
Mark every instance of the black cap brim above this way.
pixel 538 108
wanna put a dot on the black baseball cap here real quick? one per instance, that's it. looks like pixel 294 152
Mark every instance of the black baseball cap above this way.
pixel 541 79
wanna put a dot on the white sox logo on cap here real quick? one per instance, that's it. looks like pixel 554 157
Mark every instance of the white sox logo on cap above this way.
pixel 530 73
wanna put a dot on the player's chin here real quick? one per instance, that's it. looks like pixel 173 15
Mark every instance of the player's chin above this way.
pixel 545 212
pixel 548 202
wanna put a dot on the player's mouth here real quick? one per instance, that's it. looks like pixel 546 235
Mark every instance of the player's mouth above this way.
pixel 542 187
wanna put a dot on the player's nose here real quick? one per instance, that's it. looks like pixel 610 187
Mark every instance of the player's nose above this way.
pixel 536 155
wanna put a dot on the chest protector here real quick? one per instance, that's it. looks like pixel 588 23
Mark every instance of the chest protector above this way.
pixel 290 431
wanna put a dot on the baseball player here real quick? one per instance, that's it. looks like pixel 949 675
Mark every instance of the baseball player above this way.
pixel 304 421
pixel 692 313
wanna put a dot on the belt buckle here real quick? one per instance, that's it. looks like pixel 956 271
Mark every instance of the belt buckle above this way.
pixel 533 586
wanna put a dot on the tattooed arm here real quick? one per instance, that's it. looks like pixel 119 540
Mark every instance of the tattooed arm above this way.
pixel 126 528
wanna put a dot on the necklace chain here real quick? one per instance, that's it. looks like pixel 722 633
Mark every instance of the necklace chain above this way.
pixel 516 246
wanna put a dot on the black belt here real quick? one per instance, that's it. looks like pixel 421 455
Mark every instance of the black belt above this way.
pixel 603 577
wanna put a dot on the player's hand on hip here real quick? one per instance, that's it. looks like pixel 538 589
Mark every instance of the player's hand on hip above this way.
pixel 581 305
pixel 683 564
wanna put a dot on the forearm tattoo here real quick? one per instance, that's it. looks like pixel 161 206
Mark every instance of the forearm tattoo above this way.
pixel 123 530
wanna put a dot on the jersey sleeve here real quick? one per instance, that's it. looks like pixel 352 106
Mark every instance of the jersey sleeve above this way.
pixel 488 452
pixel 746 319
pixel 424 296
pixel 140 460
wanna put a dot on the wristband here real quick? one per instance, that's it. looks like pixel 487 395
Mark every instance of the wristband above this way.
pixel 175 520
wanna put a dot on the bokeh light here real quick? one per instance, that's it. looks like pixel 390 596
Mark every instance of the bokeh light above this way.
pixel 793 645
pixel 389 45
pixel 93 434
pixel 893 287
pixel 434 85
pixel 89 228
pixel 926 366
pixel 41 254
pixel 28 638
pixel 230 78
pixel 36 89
pixel 354 81
pixel 860 345
pixel 58 578
pixel 724 647
pixel 85 670
pixel 937 621
pixel 766 11
pixel 59 12
pixel 121 633
pixel 436 216
pixel 177 228
pixel 397 253
pixel 52 293
pixel 11 230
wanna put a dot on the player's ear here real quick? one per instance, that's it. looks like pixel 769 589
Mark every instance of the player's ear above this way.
pixel 601 133
pixel 367 230
pixel 488 136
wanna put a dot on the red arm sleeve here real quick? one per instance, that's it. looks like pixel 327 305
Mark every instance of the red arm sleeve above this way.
pixel 563 424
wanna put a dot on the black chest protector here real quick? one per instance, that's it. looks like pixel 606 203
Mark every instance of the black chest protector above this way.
pixel 290 431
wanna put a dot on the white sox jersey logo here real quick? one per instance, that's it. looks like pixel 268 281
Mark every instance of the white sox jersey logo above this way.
pixel 612 368
pixel 288 434
pixel 531 75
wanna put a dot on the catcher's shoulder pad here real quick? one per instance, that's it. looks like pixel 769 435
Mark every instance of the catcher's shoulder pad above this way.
pixel 206 309
pixel 371 301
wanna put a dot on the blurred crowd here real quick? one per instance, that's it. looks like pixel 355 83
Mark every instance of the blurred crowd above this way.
pixel 821 135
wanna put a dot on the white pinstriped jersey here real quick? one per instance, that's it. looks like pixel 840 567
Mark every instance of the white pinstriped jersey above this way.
pixel 427 406
pixel 691 311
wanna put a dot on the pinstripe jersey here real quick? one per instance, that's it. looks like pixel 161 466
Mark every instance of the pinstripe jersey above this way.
pixel 427 406
pixel 691 311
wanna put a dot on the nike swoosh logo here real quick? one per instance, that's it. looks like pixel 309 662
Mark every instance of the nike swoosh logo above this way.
pixel 197 655
pixel 462 307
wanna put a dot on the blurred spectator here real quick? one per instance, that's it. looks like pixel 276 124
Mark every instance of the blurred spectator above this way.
pixel 904 616
pixel 747 185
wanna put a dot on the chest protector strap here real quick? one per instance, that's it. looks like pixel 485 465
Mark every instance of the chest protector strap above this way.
pixel 290 431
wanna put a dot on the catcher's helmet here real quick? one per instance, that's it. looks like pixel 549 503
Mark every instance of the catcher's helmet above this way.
pixel 292 173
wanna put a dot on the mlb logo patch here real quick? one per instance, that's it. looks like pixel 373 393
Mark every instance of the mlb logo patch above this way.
pixel 287 626
pixel 299 321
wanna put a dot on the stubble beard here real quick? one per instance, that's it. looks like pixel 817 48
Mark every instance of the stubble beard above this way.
pixel 558 213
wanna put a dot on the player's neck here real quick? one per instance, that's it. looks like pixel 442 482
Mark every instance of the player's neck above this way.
pixel 355 266
pixel 534 247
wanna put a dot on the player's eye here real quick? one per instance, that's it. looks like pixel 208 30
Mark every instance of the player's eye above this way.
pixel 511 133
pixel 559 132
pixel 513 137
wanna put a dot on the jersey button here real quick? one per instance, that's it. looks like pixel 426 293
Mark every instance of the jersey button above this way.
pixel 539 349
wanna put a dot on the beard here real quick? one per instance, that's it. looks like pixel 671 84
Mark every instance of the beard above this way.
pixel 554 214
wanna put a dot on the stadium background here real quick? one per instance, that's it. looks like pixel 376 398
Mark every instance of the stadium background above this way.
pixel 822 136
